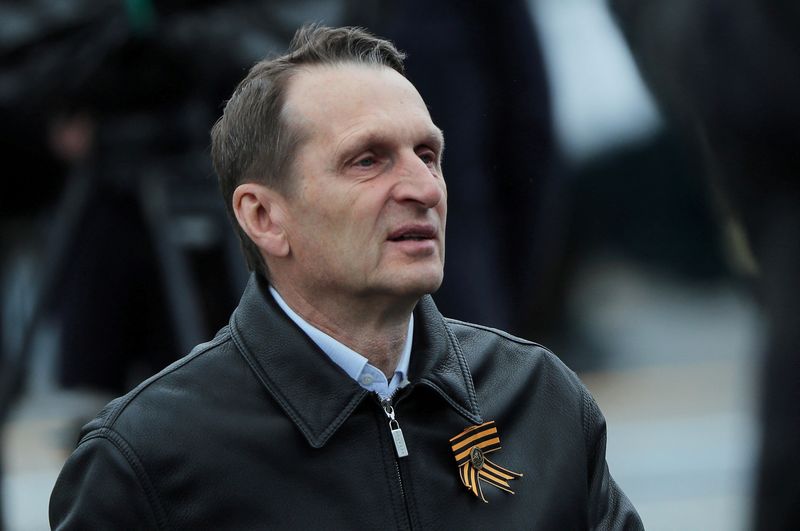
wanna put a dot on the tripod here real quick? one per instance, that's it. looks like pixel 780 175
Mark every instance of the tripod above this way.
pixel 184 219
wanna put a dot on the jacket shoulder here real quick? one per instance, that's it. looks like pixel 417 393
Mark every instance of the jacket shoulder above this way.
pixel 113 474
pixel 503 363
pixel 154 389
pixel 479 341
pixel 465 327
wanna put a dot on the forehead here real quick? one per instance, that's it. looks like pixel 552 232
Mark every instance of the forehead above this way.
pixel 340 100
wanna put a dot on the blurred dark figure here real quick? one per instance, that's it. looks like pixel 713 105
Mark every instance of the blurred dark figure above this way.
pixel 112 102
pixel 120 105
pixel 480 70
pixel 647 201
pixel 33 182
pixel 123 94
pixel 729 70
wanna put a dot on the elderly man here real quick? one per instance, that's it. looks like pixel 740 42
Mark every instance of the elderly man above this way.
pixel 338 397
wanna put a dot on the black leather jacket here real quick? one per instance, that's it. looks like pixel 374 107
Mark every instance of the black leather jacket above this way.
pixel 258 429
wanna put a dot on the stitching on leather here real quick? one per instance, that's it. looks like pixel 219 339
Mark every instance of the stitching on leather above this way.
pixel 585 414
pixel 130 456
pixel 497 332
pixel 470 416
pixel 271 387
pixel 591 414
pixel 462 363
pixel 341 417
pixel 613 504
pixel 194 353
pixel 316 440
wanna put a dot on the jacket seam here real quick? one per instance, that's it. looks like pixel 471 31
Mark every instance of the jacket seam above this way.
pixel 266 382
pixel 586 422
pixel 469 415
pixel 317 441
pixel 589 414
pixel 114 415
pixel 339 420
pixel 134 462
pixel 465 373
pixel 498 333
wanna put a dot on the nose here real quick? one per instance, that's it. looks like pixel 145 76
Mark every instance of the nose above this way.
pixel 417 183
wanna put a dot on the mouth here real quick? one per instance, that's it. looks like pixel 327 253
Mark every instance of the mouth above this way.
pixel 413 233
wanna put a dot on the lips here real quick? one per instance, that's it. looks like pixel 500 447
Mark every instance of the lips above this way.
pixel 413 233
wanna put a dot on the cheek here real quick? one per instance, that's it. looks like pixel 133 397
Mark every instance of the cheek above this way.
pixel 442 206
pixel 441 209
pixel 343 232
pixel 361 215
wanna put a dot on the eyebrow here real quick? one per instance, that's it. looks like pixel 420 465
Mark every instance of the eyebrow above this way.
pixel 350 146
pixel 437 136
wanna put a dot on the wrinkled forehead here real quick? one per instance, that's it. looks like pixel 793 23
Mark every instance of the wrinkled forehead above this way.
pixel 330 99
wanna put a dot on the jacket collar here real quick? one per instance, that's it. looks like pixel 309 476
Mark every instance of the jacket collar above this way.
pixel 316 394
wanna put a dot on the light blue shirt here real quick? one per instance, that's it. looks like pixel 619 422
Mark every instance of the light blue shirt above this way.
pixel 354 364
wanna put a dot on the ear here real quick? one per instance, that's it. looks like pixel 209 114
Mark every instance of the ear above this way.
pixel 260 212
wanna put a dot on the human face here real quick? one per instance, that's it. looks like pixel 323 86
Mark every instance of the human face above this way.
pixel 367 216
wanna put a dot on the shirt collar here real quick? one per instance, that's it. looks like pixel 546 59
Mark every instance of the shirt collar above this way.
pixel 350 361
pixel 282 356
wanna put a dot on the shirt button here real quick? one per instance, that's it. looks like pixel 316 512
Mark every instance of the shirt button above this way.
pixel 367 379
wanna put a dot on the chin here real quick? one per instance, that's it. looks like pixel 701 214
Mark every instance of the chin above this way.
pixel 417 285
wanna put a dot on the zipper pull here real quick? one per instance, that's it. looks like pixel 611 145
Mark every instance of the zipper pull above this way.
pixel 394 427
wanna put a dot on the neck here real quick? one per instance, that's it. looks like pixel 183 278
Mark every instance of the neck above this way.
pixel 377 332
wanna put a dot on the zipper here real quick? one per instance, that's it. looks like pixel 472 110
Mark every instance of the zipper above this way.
pixel 394 427
pixel 401 450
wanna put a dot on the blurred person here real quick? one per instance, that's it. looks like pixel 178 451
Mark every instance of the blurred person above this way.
pixel 122 94
pixel 98 97
pixel 728 70
pixel 338 393
pixel 35 177
pixel 141 104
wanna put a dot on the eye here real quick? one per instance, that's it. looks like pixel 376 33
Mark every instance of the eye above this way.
pixel 428 157
pixel 366 162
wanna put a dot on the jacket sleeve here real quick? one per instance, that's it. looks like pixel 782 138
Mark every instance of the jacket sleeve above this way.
pixel 609 508
pixel 103 486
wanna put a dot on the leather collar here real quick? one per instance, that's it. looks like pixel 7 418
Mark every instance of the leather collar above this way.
pixel 316 394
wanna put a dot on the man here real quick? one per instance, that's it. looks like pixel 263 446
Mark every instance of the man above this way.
pixel 338 397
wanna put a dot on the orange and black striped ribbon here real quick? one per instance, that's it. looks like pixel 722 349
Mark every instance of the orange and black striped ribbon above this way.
pixel 470 448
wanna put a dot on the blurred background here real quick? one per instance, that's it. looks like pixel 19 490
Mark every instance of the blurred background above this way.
pixel 622 189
